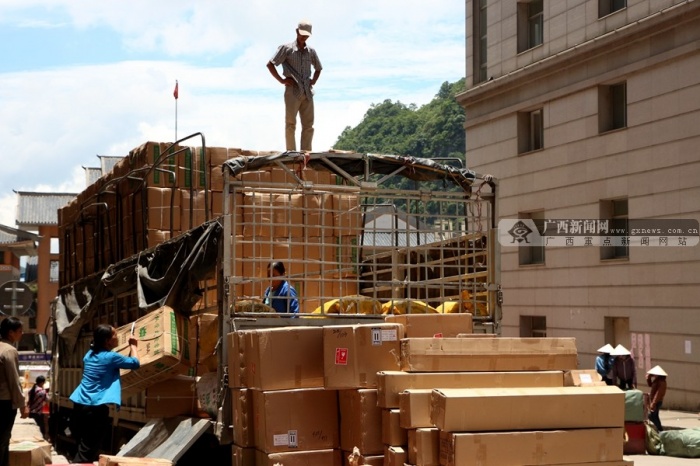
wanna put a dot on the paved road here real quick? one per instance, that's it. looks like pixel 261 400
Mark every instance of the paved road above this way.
pixel 26 429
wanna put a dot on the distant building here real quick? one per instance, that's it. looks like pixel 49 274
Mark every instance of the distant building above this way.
pixel 589 110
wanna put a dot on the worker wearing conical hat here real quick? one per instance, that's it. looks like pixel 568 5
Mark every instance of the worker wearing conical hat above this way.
pixel 656 379
pixel 603 364
pixel 624 368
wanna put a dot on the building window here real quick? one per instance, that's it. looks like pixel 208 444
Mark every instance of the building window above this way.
pixel 606 7
pixel 479 41
pixel 612 107
pixel 534 254
pixel 533 326
pixel 530 24
pixel 54 247
pixel 616 211
pixel 530 131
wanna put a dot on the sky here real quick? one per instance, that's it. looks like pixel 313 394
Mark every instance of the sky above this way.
pixel 82 78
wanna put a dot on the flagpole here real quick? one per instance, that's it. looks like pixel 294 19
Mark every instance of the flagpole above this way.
pixel 176 95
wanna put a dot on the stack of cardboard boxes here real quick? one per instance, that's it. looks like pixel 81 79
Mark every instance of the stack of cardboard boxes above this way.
pixel 396 398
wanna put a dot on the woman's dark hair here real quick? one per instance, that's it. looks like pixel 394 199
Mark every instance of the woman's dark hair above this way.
pixel 8 325
pixel 100 337
pixel 32 393
pixel 278 266
pixel 40 379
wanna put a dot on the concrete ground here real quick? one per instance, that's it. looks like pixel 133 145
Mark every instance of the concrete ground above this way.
pixel 26 429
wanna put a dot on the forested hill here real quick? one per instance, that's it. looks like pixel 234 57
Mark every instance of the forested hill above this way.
pixel 434 130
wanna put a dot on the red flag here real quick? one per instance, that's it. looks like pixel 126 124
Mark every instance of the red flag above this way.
pixel 175 92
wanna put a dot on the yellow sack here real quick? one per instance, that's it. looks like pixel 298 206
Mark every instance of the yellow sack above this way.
pixel 449 307
pixel 407 306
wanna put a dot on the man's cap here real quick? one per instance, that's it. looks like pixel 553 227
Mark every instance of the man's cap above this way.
pixel 304 28
pixel 657 370
pixel 605 349
pixel 620 351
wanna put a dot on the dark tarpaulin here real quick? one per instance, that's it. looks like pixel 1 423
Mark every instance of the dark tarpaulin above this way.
pixel 166 275
pixel 418 169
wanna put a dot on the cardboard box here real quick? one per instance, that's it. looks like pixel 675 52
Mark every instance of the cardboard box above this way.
pixel 353 354
pixel 30 453
pixel 173 397
pixel 424 447
pixel 433 325
pixel 242 456
pixel 395 456
pixel 293 420
pixel 360 421
pixel 488 354
pixel 496 409
pixel 392 432
pixel 414 408
pixel 242 415
pixel 284 358
pixel 349 459
pixel 235 342
pixel 162 347
pixel 109 460
pixel 203 337
pixel 391 383
pixel 533 448
pixel 582 378
pixel 299 458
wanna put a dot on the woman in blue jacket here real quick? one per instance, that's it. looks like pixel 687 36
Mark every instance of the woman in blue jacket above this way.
pixel 99 388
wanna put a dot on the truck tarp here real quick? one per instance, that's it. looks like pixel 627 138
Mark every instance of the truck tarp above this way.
pixel 167 274
pixel 414 168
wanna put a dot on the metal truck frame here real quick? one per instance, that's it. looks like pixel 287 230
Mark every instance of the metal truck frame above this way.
pixel 406 234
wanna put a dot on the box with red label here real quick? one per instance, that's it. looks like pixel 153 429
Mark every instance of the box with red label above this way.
pixel 353 354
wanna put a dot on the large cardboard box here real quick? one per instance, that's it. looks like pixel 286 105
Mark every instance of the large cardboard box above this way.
pixel 353 354
pixel 203 338
pixel 496 409
pixel 235 342
pixel 424 447
pixel 162 347
pixel 582 378
pixel 395 456
pixel 299 458
pixel 391 383
pixel 392 432
pixel 30 453
pixel 241 456
pixel 487 354
pixel 552 447
pixel 433 325
pixel 414 408
pixel 173 397
pixel 284 358
pixel 243 417
pixel 360 421
pixel 294 420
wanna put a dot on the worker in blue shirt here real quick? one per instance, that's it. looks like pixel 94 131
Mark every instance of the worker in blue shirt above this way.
pixel 280 295
pixel 99 387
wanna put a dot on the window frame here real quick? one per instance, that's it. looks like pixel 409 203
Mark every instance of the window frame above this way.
pixel 532 255
pixel 612 107
pixel 530 24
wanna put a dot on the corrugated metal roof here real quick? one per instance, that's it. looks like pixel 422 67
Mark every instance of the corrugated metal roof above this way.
pixel 107 162
pixel 9 235
pixel 92 174
pixel 36 209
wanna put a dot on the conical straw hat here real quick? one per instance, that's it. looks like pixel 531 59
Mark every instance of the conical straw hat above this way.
pixel 605 349
pixel 657 370
pixel 620 351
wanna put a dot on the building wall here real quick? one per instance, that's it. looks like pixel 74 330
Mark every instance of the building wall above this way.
pixel 46 289
pixel 653 162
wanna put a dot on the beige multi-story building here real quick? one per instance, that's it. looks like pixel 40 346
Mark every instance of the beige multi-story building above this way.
pixel 590 109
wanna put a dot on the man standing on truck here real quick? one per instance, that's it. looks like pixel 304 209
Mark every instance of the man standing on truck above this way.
pixel 296 59
pixel 11 393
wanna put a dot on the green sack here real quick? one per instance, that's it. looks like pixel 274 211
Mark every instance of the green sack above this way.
pixel 683 443
pixel 653 440
pixel 634 406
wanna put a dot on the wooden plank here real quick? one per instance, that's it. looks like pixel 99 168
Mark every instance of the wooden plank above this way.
pixel 165 438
